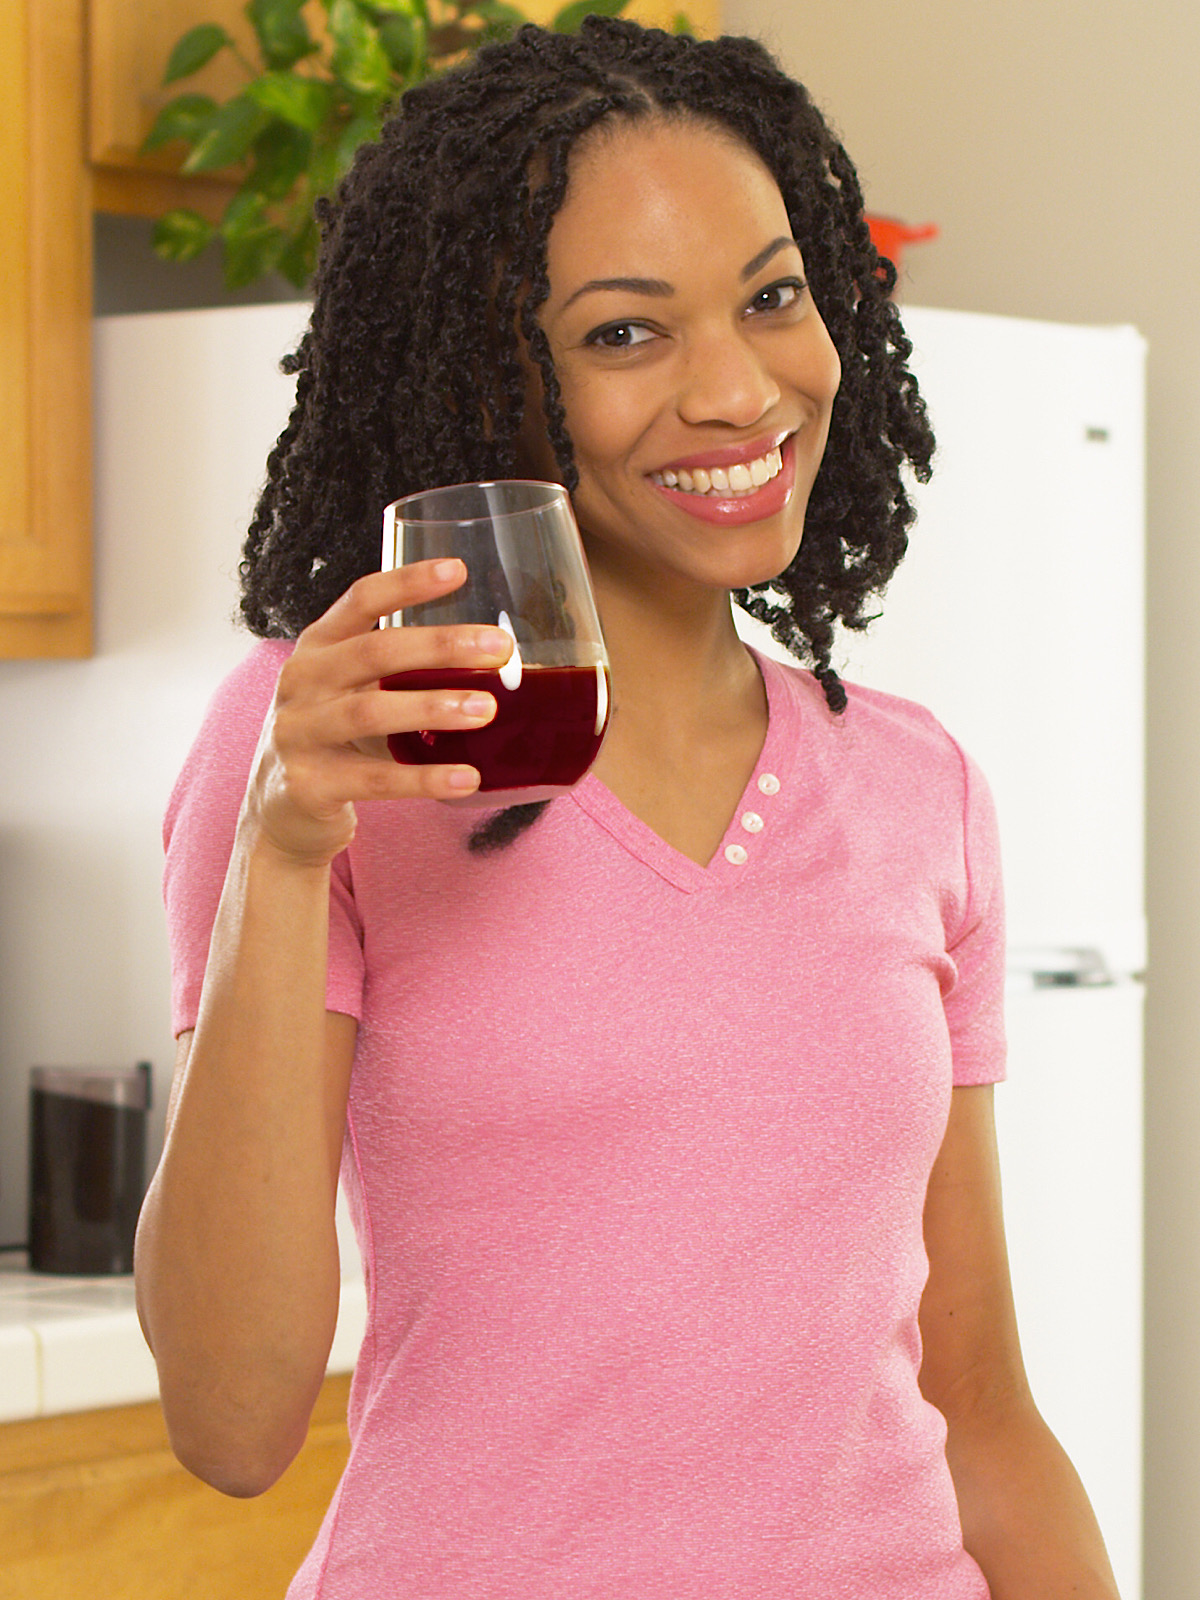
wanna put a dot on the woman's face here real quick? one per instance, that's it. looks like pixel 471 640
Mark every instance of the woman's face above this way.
pixel 696 373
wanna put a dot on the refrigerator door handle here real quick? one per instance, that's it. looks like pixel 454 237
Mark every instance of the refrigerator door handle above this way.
pixel 1066 967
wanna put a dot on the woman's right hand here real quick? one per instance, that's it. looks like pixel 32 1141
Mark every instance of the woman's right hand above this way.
pixel 324 742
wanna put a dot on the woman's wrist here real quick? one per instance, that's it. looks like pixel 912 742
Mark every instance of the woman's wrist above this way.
pixel 300 845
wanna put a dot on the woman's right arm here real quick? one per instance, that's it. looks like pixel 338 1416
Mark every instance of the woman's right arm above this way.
pixel 236 1261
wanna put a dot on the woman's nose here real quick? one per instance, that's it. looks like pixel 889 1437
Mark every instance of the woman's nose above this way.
pixel 725 380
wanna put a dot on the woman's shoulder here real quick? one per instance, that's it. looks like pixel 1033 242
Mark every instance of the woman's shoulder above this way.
pixel 893 716
pixel 881 750
pixel 224 745
pixel 246 691
pixel 874 720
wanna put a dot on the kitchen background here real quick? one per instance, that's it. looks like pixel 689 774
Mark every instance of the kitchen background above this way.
pixel 1058 148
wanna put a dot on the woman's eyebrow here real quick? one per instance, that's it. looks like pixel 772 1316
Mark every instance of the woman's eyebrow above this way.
pixel 659 287
pixel 627 285
pixel 763 256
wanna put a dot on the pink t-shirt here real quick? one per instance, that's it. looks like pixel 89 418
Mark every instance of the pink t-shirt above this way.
pixel 637 1152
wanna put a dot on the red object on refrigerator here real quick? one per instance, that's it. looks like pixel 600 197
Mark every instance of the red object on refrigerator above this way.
pixel 889 236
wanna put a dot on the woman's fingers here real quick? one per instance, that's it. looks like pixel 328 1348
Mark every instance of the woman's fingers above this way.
pixel 371 714
pixel 378 594
pixel 360 662
pixel 327 660
pixel 342 778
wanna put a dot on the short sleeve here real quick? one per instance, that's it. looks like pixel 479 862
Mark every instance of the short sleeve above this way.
pixel 975 1000
pixel 198 834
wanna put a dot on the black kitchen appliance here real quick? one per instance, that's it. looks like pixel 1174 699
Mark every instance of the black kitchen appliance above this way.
pixel 87 1166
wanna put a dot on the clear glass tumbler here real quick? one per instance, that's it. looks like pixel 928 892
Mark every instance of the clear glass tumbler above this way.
pixel 526 573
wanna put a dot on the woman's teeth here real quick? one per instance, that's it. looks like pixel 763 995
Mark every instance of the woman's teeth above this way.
pixel 741 479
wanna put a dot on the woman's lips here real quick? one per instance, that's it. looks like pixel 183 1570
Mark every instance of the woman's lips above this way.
pixel 728 455
pixel 734 510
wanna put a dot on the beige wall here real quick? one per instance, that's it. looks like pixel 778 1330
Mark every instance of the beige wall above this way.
pixel 1057 144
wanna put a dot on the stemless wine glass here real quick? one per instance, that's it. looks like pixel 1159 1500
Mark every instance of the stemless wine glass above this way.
pixel 526 573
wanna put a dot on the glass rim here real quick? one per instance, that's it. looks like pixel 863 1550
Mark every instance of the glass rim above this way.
pixel 554 493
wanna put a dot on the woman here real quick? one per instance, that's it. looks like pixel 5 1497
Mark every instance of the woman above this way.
pixel 664 1111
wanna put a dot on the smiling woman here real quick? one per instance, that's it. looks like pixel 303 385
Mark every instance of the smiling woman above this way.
pixel 667 1128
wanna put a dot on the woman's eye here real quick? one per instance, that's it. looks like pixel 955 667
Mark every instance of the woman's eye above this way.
pixel 778 296
pixel 619 336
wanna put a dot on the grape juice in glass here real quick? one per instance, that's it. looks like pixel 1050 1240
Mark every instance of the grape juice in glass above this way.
pixel 527 574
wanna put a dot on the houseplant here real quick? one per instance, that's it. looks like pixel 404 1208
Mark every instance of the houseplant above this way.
pixel 307 103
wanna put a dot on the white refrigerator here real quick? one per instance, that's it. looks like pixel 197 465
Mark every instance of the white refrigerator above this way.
pixel 1017 618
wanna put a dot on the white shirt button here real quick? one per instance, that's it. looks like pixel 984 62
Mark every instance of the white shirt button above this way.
pixel 752 822
pixel 768 783
pixel 735 854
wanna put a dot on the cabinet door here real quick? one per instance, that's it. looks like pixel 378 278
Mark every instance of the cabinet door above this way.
pixel 45 331
pixel 128 48
pixel 95 1504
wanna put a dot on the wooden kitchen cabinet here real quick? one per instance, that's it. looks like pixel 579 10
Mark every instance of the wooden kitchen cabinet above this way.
pixel 95 1504
pixel 127 50
pixel 45 333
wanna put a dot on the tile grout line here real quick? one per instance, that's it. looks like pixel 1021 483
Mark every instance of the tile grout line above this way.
pixel 39 1365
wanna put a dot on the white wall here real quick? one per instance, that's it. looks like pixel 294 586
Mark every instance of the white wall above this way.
pixel 1057 145
pixel 91 747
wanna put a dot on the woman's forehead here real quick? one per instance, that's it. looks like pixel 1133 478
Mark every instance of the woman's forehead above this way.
pixel 610 143
pixel 659 189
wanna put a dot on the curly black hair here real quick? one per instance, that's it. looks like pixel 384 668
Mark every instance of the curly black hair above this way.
pixel 434 254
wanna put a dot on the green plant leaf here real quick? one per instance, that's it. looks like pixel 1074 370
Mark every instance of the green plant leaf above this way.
pixel 324 169
pixel 195 50
pixel 407 8
pixel 357 132
pixel 501 21
pixel 682 23
pixel 245 214
pixel 571 16
pixel 252 241
pixel 359 59
pixel 230 134
pixel 403 41
pixel 304 102
pixel 252 256
pixel 185 117
pixel 299 255
pixel 180 235
pixel 281 156
pixel 283 35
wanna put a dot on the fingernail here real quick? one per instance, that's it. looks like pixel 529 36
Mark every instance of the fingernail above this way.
pixel 492 641
pixel 478 705
pixel 443 571
pixel 463 778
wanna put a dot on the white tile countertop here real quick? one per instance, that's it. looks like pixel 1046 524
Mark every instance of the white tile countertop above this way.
pixel 75 1344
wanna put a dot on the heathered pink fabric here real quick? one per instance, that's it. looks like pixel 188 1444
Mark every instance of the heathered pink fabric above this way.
pixel 637 1153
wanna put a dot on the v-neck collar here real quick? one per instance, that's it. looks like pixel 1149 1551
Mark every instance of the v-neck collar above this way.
pixel 749 839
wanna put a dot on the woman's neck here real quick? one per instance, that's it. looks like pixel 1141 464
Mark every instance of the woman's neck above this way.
pixel 677 665
pixel 689 716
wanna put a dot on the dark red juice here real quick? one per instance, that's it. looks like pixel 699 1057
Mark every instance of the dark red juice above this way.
pixel 544 730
